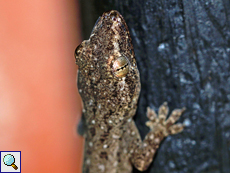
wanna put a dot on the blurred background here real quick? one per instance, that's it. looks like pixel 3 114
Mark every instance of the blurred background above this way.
pixel 39 102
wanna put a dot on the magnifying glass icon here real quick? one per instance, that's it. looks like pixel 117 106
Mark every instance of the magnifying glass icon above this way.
pixel 9 160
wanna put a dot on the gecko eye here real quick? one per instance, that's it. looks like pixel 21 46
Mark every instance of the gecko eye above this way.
pixel 78 52
pixel 121 67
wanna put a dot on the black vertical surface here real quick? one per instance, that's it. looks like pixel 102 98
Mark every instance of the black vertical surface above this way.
pixel 182 49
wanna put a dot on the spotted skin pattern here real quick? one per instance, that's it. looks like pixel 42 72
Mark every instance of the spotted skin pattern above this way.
pixel 109 85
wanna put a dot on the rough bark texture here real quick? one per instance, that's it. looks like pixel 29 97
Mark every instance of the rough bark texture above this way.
pixel 182 49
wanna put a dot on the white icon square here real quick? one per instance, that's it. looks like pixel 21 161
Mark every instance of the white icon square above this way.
pixel 10 161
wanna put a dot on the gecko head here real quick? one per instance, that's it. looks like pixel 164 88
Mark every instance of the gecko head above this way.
pixel 107 67
pixel 109 51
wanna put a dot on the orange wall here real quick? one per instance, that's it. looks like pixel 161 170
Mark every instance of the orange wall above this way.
pixel 39 102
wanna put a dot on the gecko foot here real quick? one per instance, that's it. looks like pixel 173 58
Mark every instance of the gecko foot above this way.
pixel 159 122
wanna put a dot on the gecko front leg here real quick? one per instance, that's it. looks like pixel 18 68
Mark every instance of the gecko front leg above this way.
pixel 142 153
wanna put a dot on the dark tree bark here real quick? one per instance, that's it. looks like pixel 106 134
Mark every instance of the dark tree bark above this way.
pixel 182 49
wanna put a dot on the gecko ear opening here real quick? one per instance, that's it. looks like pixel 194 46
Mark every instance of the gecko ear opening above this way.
pixel 121 67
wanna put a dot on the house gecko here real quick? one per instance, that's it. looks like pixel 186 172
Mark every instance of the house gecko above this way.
pixel 109 85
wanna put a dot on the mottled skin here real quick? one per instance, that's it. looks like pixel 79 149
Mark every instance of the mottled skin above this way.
pixel 109 84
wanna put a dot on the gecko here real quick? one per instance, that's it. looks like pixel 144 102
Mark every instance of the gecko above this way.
pixel 109 85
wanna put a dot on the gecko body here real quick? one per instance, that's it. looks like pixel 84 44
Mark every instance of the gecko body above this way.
pixel 109 85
